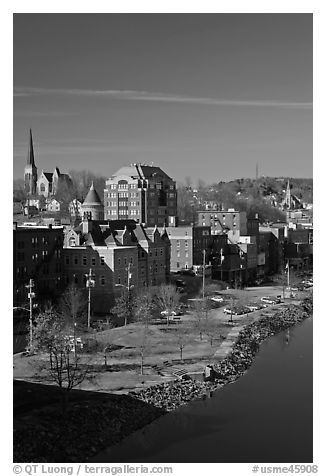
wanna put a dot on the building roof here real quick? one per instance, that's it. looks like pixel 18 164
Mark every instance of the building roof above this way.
pixel 141 171
pixel 48 176
pixel 30 155
pixel 92 197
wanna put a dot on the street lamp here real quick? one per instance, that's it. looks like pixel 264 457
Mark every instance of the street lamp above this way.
pixel 222 259
pixel 128 287
pixel 31 296
pixel 90 283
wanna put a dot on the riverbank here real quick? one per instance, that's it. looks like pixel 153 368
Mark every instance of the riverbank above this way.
pixel 169 396
pixel 95 420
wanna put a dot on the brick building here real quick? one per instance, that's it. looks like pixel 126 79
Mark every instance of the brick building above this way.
pixel 143 193
pixel 187 245
pixel 113 250
pixel 37 254
pixel 230 221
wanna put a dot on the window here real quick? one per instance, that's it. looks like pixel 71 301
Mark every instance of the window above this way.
pixel 102 280
pixel 131 260
pixel 72 241
pixel 42 187
pixel 102 261
pixel 93 261
pixel 20 256
pixel 34 241
pixel 75 279
pixel 113 212
pixel 186 243
pixel 84 260
pixel 125 260
pixel 178 254
pixel 75 259
pixel 20 245
pixel 67 261
pixel 44 254
pixel 45 240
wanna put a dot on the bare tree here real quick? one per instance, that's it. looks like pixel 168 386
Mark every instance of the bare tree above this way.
pixel 201 310
pixel 125 305
pixel 182 338
pixel 168 299
pixel 63 364
pixel 145 305
pixel 73 306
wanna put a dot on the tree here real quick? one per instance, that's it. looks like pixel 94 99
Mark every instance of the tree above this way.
pixel 19 191
pixel 63 364
pixel 182 338
pixel 145 305
pixel 168 299
pixel 143 346
pixel 202 307
pixel 73 306
pixel 125 305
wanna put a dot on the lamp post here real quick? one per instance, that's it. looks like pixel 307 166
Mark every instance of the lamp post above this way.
pixel 31 296
pixel 204 268
pixel 90 283
pixel 222 259
pixel 128 287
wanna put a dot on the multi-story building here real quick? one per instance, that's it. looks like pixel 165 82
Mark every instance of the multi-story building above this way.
pixel 230 221
pixel 187 246
pixel 37 255
pixel 142 193
pixel 120 254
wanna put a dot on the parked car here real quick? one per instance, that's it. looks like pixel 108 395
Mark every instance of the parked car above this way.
pixel 217 298
pixel 254 307
pixel 180 283
pixel 266 300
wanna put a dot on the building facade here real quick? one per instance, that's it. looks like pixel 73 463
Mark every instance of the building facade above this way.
pixel 47 183
pixel 142 193
pixel 120 254
pixel 37 254
pixel 231 222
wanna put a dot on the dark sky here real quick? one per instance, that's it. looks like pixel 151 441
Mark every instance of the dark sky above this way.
pixel 201 95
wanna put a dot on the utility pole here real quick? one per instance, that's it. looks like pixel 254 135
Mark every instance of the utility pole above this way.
pixel 128 289
pixel 90 283
pixel 288 265
pixel 30 295
pixel 222 258
pixel 204 268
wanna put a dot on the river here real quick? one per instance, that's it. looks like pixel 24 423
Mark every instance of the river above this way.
pixel 265 416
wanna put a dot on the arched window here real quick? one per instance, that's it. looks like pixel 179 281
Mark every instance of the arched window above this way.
pixel 72 241
pixel 42 187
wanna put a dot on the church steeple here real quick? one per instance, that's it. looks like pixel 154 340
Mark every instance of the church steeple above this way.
pixel 30 175
pixel 30 156
pixel 288 196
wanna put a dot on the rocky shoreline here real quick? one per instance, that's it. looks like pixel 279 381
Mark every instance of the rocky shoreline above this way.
pixel 169 396
pixel 45 435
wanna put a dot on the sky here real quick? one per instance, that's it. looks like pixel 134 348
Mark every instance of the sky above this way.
pixel 205 96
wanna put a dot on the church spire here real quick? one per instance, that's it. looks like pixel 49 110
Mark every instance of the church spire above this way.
pixel 30 156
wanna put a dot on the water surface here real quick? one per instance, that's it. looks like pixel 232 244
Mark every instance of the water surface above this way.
pixel 265 416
